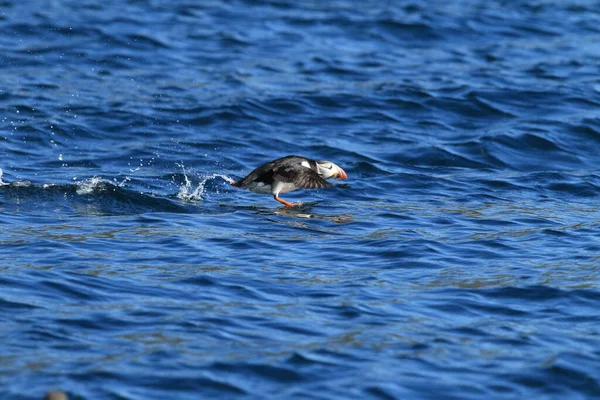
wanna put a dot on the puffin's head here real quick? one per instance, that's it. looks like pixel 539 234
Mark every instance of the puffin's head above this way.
pixel 328 170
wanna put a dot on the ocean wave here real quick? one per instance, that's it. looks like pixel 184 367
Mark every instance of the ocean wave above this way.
pixel 98 196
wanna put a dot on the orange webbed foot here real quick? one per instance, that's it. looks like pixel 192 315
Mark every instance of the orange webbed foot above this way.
pixel 284 202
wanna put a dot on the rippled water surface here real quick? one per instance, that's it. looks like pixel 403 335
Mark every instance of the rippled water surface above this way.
pixel 462 262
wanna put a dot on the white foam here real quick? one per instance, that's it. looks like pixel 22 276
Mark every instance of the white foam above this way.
pixel 2 183
pixel 21 183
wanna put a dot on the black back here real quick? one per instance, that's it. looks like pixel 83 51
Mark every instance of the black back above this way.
pixel 287 169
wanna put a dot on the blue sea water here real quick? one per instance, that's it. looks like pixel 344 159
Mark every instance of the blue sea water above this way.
pixel 462 262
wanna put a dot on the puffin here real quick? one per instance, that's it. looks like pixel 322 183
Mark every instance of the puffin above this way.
pixel 290 173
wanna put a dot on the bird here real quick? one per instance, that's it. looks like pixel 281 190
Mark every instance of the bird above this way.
pixel 290 173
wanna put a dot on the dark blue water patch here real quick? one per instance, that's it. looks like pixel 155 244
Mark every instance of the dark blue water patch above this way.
pixel 541 294
pixel 567 379
pixel 8 305
pixel 560 185
pixel 585 132
pixel 538 149
pixel 207 386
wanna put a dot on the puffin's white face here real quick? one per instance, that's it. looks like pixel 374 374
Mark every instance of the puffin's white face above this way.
pixel 328 169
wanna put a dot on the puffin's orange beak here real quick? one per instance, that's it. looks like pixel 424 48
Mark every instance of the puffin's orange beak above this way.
pixel 341 175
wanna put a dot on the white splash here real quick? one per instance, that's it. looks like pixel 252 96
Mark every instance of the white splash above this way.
pixel 127 178
pixel 24 183
pixel 188 193
pixel 90 185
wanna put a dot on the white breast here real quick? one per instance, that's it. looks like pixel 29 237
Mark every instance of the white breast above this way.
pixel 283 187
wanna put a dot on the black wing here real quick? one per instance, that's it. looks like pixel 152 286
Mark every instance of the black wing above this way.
pixel 286 169
pixel 301 177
